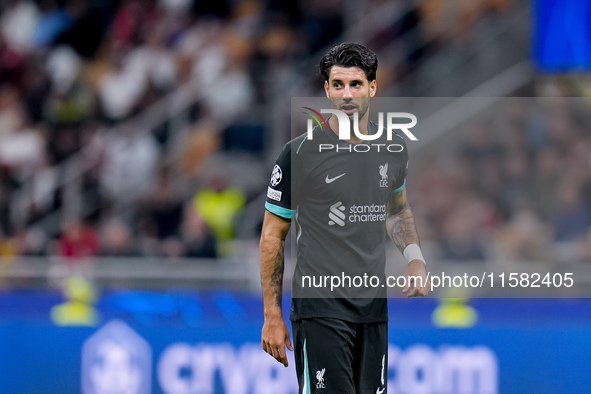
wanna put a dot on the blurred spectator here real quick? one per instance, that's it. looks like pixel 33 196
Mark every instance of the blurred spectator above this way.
pixel 12 63
pixel 165 213
pixel 10 110
pixel 515 175
pixel 155 60
pixel 5 197
pixel 63 66
pixel 78 241
pixel 86 32
pixel 572 216
pixel 219 206
pixel 8 248
pixel 17 24
pixel 176 7
pixel 322 22
pixel 227 87
pixel 116 240
pixel 36 92
pixel 201 142
pixel 128 22
pixel 129 165
pixel 480 145
pixel 445 20
pixel 464 230
pixel 172 248
pixel 23 148
pixel 123 86
pixel 546 182
pixel 197 237
pixel 54 20
pixel 32 241
pixel 585 247
pixel 524 237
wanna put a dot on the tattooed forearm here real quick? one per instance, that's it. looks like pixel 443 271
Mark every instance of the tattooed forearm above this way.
pixel 277 276
pixel 272 262
pixel 400 223
pixel 401 228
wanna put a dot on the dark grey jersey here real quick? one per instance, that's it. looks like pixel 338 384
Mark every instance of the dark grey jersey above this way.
pixel 337 193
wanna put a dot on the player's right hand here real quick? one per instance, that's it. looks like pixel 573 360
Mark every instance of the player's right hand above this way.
pixel 416 268
pixel 275 337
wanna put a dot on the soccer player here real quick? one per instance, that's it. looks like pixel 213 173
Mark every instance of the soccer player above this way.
pixel 341 201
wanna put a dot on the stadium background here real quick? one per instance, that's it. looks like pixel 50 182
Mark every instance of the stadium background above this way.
pixel 136 142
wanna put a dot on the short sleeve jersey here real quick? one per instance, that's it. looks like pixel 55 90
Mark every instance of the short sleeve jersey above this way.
pixel 337 192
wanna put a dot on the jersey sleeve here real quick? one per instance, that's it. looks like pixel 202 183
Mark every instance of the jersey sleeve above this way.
pixel 279 195
pixel 400 175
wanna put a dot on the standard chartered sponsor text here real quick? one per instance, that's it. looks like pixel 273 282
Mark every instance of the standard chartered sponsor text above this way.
pixel 523 280
pixel 367 213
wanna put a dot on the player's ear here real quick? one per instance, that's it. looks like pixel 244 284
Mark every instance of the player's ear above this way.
pixel 373 86
pixel 326 88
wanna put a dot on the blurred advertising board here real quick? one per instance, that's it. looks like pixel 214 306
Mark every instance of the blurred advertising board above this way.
pixel 515 346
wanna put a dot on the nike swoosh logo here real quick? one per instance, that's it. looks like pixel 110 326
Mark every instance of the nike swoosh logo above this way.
pixel 379 391
pixel 331 180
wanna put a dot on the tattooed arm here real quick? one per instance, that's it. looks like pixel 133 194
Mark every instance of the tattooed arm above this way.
pixel 275 335
pixel 400 225
pixel 400 222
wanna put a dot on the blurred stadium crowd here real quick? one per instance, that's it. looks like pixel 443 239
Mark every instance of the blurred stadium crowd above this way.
pixel 516 188
pixel 91 164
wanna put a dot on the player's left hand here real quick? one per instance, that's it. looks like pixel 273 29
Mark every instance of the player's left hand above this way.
pixel 413 288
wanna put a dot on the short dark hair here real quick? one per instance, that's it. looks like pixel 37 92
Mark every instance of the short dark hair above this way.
pixel 350 54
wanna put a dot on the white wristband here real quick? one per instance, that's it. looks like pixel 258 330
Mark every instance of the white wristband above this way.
pixel 413 252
